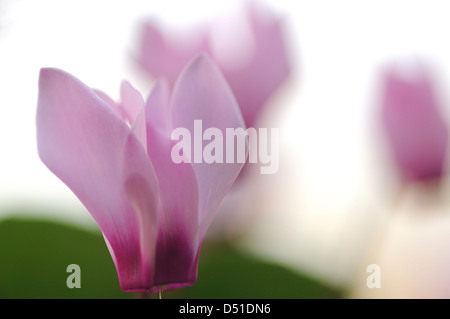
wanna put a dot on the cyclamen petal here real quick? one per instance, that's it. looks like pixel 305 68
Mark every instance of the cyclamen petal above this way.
pixel 253 83
pixel 151 211
pixel 132 102
pixel 203 93
pixel 85 144
pixel 179 197
pixel 415 128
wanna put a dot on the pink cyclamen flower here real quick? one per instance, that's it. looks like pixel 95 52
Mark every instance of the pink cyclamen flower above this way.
pixel 116 158
pixel 253 81
pixel 416 130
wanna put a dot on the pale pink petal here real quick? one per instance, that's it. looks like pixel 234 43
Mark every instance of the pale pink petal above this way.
pixel 202 93
pixel 143 197
pixel 127 110
pixel 132 101
pixel 176 261
pixel 139 128
pixel 95 154
pixel 157 107
pixel 116 107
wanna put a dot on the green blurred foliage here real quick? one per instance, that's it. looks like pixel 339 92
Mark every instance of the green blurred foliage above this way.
pixel 34 255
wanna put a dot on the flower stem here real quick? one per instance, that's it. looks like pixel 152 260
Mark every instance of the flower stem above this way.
pixel 144 295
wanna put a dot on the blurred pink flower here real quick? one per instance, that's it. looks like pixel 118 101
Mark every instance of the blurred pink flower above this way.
pixel 116 158
pixel 252 81
pixel 416 130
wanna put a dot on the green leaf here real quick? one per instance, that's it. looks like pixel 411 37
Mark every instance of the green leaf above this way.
pixel 34 255
pixel 226 273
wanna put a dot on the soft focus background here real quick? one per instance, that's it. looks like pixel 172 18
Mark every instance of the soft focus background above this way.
pixel 310 231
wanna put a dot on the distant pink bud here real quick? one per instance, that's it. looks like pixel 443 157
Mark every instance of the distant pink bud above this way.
pixel 416 130
pixel 253 81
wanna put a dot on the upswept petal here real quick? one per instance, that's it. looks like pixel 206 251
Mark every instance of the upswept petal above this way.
pixel 415 127
pixel 95 154
pixel 176 262
pixel 157 107
pixel 132 101
pixel 130 109
pixel 116 107
pixel 139 128
pixel 202 93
